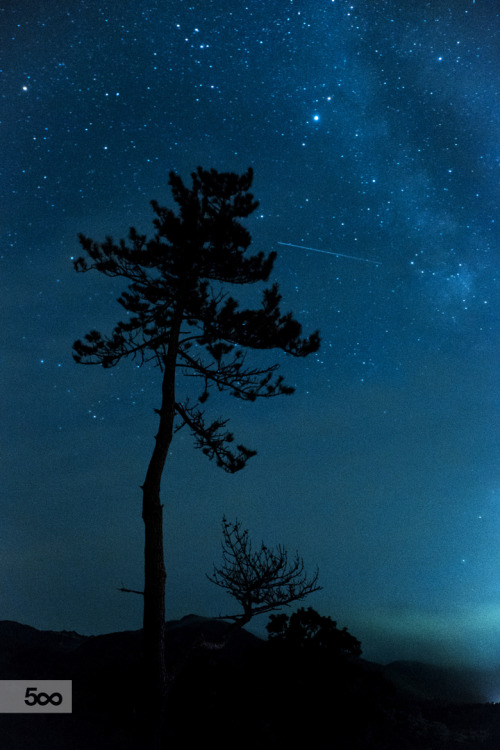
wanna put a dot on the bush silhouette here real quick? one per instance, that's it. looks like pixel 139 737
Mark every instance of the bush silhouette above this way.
pixel 307 629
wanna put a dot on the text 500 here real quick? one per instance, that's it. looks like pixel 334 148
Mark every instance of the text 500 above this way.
pixel 33 698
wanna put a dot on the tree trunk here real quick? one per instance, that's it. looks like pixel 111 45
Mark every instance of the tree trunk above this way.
pixel 155 686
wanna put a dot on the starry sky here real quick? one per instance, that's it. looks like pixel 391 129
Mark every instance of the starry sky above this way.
pixel 373 132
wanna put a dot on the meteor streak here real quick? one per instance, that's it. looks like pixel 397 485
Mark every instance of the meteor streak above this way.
pixel 330 252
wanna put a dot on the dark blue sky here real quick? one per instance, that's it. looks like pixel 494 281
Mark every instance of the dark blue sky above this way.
pixel 373 131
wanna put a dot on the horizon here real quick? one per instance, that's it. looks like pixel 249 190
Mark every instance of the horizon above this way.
pixel 432 652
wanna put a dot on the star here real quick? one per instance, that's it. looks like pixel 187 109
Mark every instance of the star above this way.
pixel 383 217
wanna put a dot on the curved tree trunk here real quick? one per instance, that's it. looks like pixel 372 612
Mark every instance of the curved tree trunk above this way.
pixel 155 687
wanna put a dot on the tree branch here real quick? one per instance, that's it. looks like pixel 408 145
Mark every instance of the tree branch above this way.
pixel 213 441
pixel 260 581
pixel 131 591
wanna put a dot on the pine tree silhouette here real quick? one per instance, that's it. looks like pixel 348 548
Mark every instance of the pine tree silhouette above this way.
pixel 179 315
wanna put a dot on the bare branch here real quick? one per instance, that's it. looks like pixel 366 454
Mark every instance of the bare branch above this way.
pixel 260 581
pixel 131 591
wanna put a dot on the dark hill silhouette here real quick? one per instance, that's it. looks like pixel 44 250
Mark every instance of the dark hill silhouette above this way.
pixel 248 689
pixel 22 647
pixel 105 670
pixel 431 682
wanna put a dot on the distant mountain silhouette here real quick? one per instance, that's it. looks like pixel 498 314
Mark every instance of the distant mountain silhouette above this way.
pixel 430 682
pixel 267 697
pixel 105 670
pixel 27 652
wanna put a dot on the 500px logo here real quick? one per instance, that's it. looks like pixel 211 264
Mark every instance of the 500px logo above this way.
pixel 32 698
pixel 35 696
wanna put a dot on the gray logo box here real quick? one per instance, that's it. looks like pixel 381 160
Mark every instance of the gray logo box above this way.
pixel 36 696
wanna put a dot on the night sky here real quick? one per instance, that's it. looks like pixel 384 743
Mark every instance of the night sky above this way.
pixel 373 132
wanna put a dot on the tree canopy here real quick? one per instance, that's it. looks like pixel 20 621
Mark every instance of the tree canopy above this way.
pixel 176 300
pixel 306 629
